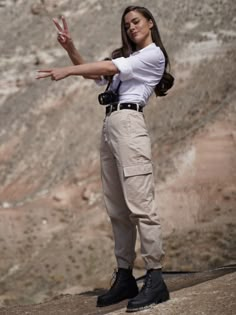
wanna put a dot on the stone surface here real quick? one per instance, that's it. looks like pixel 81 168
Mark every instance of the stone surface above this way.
pixel 215 296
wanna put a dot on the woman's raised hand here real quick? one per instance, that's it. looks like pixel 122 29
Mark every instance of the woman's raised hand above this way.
pixel 63 35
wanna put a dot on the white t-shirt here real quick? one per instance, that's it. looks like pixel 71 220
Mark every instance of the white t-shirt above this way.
pixel 139 74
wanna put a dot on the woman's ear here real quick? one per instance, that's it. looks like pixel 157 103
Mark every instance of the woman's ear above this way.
pixel 150 24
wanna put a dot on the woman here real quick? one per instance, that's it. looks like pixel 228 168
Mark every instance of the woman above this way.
pixel 137 69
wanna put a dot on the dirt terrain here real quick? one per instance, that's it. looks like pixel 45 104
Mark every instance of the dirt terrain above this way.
pixel 55 237
pixel 197 299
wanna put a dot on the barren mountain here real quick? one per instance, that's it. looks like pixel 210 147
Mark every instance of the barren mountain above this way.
pixel 54 233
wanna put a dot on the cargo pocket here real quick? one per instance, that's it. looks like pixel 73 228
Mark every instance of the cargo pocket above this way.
pixel 139 185
pixel 136 170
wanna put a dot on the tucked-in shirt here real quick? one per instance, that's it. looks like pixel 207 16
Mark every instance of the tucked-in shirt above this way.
pixel 139 74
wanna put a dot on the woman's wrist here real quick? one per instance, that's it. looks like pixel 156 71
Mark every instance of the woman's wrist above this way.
pixel 75 57
pixel 70 47
pixel 68 71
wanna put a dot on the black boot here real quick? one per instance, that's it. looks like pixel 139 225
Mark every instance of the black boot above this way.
pixel 154 291
pixel 124 287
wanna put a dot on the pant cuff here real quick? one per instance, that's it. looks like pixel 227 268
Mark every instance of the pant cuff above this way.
pixel 122 264
pixel 153 266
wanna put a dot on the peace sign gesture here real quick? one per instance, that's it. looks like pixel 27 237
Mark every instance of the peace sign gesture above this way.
pixel 63 37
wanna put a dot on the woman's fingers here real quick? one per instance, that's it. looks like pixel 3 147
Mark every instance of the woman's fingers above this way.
pixel 45 70
pixel 42 76
pixel 58 26
pixel 64 35
pixel 64 24
pixel 44 73
pixel 61 38
pixel 55 73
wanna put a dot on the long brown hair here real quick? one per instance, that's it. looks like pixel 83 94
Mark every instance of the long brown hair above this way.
pixel 129 47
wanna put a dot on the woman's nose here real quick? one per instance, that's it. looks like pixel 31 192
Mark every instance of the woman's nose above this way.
pixel 132 27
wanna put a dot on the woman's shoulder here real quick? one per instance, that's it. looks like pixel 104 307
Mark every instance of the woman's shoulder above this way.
pixel 152 48
pixel 151 52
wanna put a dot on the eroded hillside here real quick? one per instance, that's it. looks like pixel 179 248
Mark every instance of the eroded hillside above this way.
pixel 54 233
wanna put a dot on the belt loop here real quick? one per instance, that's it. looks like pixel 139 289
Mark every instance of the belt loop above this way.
pixel 118 106
pixel 137 107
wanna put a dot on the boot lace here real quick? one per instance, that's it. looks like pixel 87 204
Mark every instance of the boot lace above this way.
pixel 114 277
pixel 147 283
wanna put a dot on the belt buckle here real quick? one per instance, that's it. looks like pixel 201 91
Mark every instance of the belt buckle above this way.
pixel 137 106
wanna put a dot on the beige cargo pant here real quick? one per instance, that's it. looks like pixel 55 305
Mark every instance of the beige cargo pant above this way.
pixel 127 178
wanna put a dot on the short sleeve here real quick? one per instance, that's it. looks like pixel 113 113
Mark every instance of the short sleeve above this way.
pixel 146 65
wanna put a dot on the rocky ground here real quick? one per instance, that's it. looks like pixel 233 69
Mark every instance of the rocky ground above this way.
pixel 197 299
pixel 54 234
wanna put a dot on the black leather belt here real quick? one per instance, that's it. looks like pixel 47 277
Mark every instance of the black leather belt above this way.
pixel 114 107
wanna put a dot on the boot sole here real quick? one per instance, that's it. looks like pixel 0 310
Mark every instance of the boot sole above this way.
pixel 140 308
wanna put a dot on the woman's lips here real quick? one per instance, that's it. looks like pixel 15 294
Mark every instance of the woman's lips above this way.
pixel 134 34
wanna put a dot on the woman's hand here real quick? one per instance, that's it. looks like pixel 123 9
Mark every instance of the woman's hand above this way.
pixel 63 35
pixel 55 73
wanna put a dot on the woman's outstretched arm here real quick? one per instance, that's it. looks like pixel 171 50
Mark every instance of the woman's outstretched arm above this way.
pixel 100 68
pixel 65 40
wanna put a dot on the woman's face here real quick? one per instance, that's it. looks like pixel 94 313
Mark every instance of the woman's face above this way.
pixel 138 29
